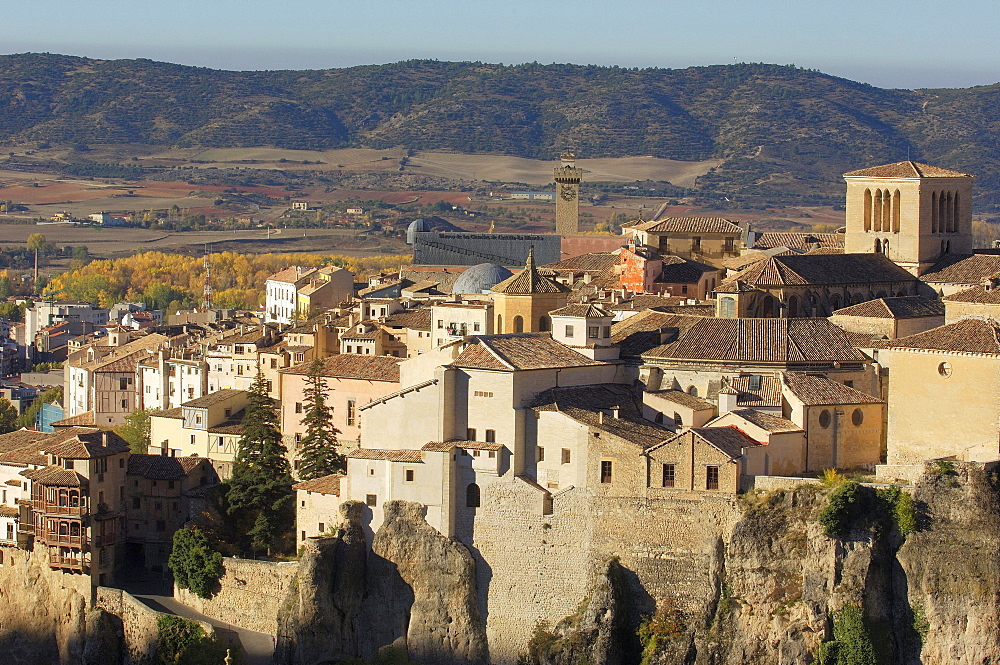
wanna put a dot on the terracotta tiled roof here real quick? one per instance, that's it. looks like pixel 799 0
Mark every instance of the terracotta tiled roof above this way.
pixel 977 294
pixel 9 511
pixel 861 340
pixel 690 225
pixel 767 421
pixel 175 412
pixel 963 269
pixel 683 399
pixel 444 446
pixel 735 286
pixel 20 438
pixel 291 274
pixel 520 351
pixel 820 269
pixel 582 309
pixel 158 467
pixel 126 364
pixel 355 366
pixel 380 287
pixel 639 302
pixel 980 336
pixel 906 307
pixel 85 443
pixel 819 390
pixel 390 455
pixel 414 319
pixel 213 398
pixel 800 241
pixel 761 391
pixel 592 262
pixel 55 475
pixel 231 428
pixel 439 446
pixel 659 335
pixel 594 406
pixel 677 270
pixel 85 419
pixel 728 440
pixel 906 169
pixel 528 281
pixel 323 485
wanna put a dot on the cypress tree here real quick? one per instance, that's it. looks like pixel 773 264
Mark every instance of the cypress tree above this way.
pixel 319 454
pixel 260 491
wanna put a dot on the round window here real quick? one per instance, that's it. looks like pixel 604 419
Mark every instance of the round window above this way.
pixel 858 417
pixel 824 418
pixel 944 369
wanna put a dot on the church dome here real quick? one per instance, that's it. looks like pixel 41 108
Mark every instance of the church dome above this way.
pixel 479 278
pixel 415 227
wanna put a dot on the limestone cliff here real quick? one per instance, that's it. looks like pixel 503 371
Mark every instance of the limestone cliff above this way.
pixel 415 590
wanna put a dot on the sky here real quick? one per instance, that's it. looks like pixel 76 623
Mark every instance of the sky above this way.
pixel 887 43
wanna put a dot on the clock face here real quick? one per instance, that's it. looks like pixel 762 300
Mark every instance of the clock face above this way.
pixel 567 193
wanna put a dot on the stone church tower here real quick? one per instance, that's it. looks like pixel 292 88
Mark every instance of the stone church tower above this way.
pixel 567 178
pixel 913 213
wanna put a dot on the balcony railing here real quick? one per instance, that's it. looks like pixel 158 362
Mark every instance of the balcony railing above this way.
pixel 54 509
pixel 62 539
pixel 68 562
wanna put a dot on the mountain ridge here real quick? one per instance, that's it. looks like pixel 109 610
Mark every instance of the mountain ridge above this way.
pixel 777 126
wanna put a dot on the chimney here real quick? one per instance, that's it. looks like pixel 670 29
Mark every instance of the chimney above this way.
pixel 727 400
pixel 600 417
pixel 615 410
pixel 104 438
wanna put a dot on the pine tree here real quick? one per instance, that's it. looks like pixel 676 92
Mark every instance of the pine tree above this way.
pixel 260 491
pixel 319 454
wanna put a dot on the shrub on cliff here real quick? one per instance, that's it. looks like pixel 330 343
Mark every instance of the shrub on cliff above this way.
pixel 845 508
pixel 851 643
pixel 183 642
pixel 193 562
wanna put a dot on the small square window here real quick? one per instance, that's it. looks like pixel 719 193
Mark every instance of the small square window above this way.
pixel 606 469
pixel 566 456
pixel 371 500
pixel 541 454
pixel 322 527
pixel 409 475
pixel 491 436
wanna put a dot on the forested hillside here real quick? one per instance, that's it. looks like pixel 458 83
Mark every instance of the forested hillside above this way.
pixel 778 127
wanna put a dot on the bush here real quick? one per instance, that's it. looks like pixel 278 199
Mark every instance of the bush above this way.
pixel 666 624
pixel 851 643
pixel 195 565
pixel 902 508
pixel 183 642
pixel 832 478
pixel 846 506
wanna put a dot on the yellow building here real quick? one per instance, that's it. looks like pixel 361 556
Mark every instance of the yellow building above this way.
pixel 705 239
pixel 522 303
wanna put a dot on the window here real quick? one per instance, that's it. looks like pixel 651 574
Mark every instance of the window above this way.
pixel 824 418
pixel 371 500
pixel 491 436
pixel 124 403
pixel 161 525
pixel 298 437
pixel 541 454
pixel 303 535
pixel 274 363
pixel 136 503
pixel 696 243
pixel 693 391
pixel 170 484
pixel 606 332
pixel 712 478
pixel 678 421
pixel 729 246
pixel 322 527
pixel 192 439
pixel 518 324
pixel 668 475
pixel 565 456
pixel 569 331
pixel 298 407
pixel 123 383
pixel 606 466
pixel 858 417
pixel 482 393
pixel 592 331
pixel 350 412
pixel 944 369
pixel 408 475
pixel 197 419
pixel 470 434
pixel 440 323
pixel 475 327
pixel 472 496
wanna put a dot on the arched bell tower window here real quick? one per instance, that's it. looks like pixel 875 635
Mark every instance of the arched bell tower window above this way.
pixel 895 211
pixel 935 216
pixel 878 246
pixel 868 210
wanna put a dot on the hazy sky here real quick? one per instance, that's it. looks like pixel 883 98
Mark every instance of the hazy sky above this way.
pixel 886 43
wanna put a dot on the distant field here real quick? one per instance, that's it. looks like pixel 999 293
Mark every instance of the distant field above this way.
pixel 496 168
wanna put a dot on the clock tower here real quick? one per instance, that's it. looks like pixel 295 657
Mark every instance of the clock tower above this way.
pixel 567 177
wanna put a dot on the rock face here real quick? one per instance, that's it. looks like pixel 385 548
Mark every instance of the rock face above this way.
pixel 415 590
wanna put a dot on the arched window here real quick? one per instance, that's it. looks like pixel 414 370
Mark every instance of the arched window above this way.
pixel 885 247
pixel 677 420
pixel 472 496
pixel 543 323
pixel 693 391
pixel 935 219
pixel 74 529
pixel 868 210
pixel 835 301
pixel 878 246
pixel 74 498
pixel 877 211
pixel 63 496
pixel 499 324
pixel 518 324
pixel 63 529
pixel 954 212
pixel 895 211
pixel 793 305
pixel 858 417
pixel 727 308
pixel 942 213
pixel 886 210
pixel 658 419
pixel 881 294
pixel 824 418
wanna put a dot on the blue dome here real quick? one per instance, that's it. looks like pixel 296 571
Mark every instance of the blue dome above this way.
pixel 416 226
pixel 480 278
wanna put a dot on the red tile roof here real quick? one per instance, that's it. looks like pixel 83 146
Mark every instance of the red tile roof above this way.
pixel 906 307
pixel 519 351
pixel 818 390
pixel 690 225
pixel 323 485
pixel 906 169
pixel 980 336
pixel 355 366
pixel 390 455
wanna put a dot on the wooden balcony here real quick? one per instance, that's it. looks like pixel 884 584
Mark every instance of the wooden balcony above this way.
pixel 54 509
pixel 64 539
pixel 69 563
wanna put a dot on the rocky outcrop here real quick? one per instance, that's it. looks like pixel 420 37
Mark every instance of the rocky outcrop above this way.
pixel 595 634
pixel 415 591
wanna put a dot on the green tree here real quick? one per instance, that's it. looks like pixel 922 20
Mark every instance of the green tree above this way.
pixel 260 490
pixel 37 243
pixel 136 430
pixel 8 416
pixel 319 454
pixel 195 565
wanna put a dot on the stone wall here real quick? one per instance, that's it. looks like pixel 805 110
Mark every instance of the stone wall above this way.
pixel 771 483
pixel 250 594
pixel 138 624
